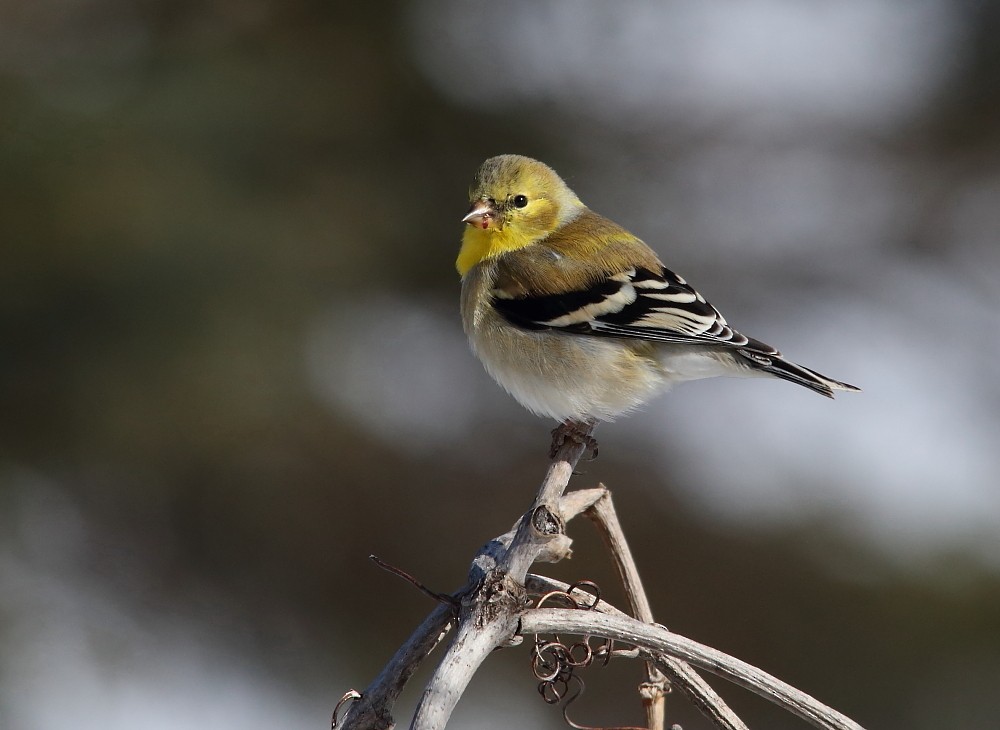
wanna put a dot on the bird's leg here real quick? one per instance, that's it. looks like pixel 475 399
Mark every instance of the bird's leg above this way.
pixel 578 431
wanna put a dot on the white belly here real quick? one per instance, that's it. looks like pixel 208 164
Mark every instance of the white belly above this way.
pixel 571 376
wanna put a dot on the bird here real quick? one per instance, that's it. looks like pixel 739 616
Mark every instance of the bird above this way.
pixel 576 317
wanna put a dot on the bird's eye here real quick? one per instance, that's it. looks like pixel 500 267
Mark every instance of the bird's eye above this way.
pixel 520 201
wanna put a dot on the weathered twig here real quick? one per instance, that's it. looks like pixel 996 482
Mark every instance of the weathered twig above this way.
pixel 493 610
pixel 489 612
pixel 373 709
pixel 400 573
pixel 602 513
pixel 654 689
pixel 657 643
pixel 682 675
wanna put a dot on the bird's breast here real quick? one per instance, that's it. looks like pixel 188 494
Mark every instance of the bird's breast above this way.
pixel 556 374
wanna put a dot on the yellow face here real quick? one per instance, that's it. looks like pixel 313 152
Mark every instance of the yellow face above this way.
pixel 515 201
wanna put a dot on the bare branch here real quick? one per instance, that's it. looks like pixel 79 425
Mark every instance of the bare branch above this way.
pixel 373 710
pixel 492 609
pixel 486 622
pixel 489 619
pixel 682 674
pixel 400 573
pixel 576 503
pixel 602 514
pixel 653 691
pixel 658 643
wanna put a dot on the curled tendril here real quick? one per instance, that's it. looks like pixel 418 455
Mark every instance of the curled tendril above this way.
pixel 585 660
pixel 547 660
pixel 586 586
pixel 554 663
pixel 553 692
pixel 349 696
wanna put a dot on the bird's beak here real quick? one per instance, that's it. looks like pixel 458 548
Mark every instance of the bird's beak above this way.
pixel 480 214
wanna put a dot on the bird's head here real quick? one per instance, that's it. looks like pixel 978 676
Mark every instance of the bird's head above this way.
pixel 515 201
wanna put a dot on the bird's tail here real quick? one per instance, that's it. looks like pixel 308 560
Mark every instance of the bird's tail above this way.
pixel 774 364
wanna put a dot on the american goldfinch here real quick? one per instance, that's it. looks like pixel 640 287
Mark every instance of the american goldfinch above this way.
pixel 577 318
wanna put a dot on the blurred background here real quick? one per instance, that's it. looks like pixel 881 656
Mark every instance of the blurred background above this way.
pixel 231 364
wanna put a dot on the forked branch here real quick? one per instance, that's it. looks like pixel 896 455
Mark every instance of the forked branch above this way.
pixel 658 644
pixel 493 610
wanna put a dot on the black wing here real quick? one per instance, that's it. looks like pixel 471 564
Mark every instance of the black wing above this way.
pixel 638 303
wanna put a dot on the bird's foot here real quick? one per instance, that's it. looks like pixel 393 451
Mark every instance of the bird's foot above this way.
pixel 576 431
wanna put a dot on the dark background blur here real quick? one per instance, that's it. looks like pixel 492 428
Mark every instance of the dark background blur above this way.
pixel 231 364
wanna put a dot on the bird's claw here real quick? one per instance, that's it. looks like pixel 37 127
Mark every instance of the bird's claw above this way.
pixel 576 431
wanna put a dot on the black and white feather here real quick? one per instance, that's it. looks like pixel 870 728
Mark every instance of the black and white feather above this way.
pixel 657 307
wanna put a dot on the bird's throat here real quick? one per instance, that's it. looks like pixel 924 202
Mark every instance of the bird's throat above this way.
pixel 479 244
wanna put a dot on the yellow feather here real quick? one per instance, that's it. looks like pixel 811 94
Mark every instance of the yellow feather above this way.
pixel 479 244
pixel 550 204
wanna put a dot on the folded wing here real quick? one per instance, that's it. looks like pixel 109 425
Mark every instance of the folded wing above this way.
pixel 637 303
